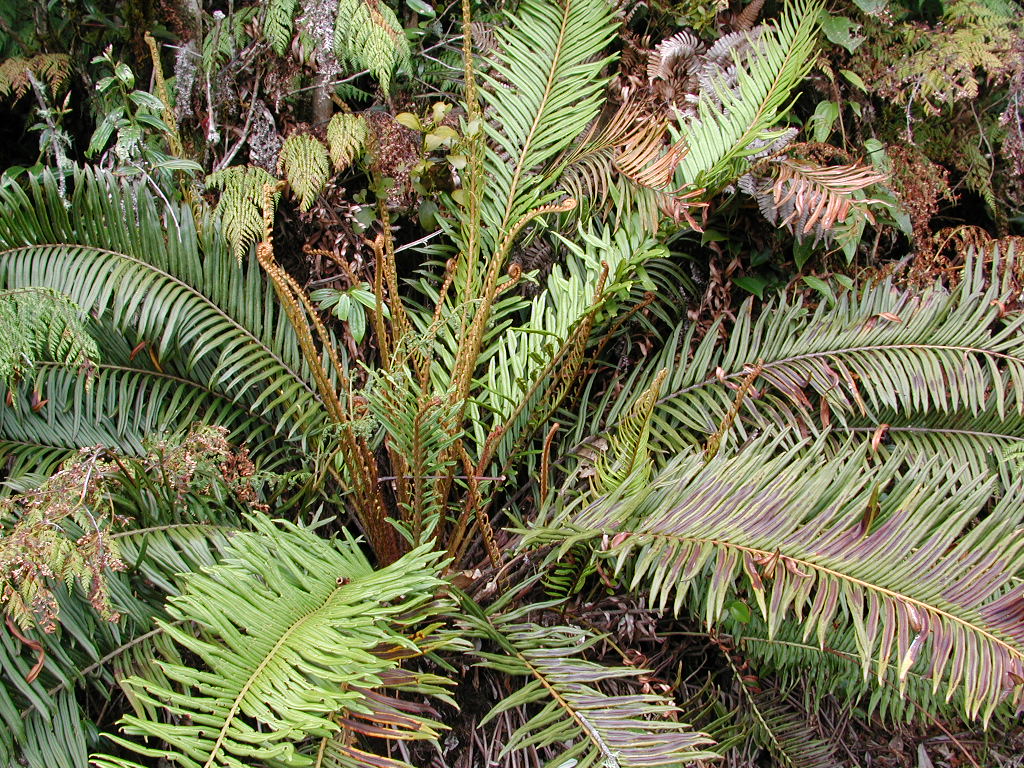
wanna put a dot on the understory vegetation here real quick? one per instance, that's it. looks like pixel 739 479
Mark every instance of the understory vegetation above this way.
pixel 568 383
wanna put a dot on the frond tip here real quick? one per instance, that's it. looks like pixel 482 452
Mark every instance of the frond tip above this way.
pixel 240 208
pixel 346 135
pixel 368 35
pixel 305 163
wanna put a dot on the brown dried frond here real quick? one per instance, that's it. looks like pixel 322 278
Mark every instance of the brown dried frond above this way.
pixel 920 185
pixel 822 190
pixel 806 197
pixel 674 54
pixel 631 83
pixel 642 161
pixel 680 206
pixel 484 39
pixel 37 551
pixel 952 244
pixel 746 18
pixel 631 143
pixel 1012 118
pixel 49 68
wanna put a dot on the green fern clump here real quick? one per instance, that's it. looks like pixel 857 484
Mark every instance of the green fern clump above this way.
pixel 367 35
pixel 240 209
pixel 37 321
pixel 305 163
pixel 346 138
pixel 932 68
pixel 278 23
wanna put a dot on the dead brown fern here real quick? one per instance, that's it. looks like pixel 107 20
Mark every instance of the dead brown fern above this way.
pixel 807 197
pixel 49 68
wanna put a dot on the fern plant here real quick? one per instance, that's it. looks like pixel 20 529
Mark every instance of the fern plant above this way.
pixel 828 481
pixel 37 321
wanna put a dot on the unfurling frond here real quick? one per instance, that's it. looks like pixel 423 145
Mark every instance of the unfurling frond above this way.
pixel 806 197
pixel 901 562
pixel 306 165
pixel 50 68
pixel 747 80
pixel 278 23
pixel 295 636
pixel 37 322
pixel 346 135
pixel 368 35
pixel 572 717
pixel 240 207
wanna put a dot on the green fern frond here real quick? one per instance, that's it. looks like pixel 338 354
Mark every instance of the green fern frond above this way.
pixel 293 629
pixel 240 209
pixel 172 305
pixel 899 559
pixel 229 35
pixel 879 359
pixel 567 575
pixel 62 740
pixel 35 322
pixel 117 408
pixel 86 656
pixel 627 460
pixel 306 165
pixel 346 137
pixel 836 668
pixel 546 88
pixel 733 123
pixel 421 429
pixel 368 35
pixel 785 734
pixel 573 720
pixel 530 366
pixel 782 730
pixel 278 22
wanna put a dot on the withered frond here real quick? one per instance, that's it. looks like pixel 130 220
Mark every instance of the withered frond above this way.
pixel 807 197
pixel 671 54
